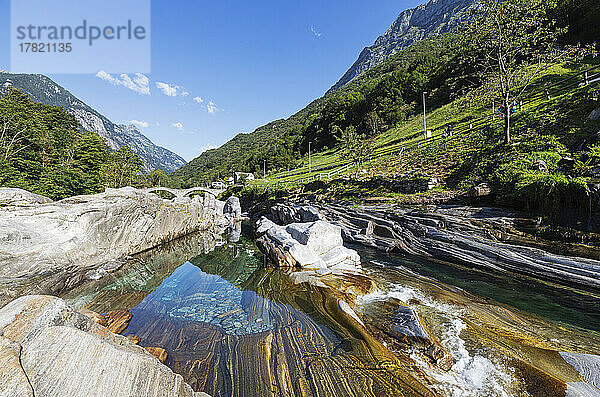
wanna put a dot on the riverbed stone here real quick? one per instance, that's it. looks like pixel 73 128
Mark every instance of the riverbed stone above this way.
pixel 232 206
pixel 316 246
pixel 286 214
pixel 588 365
pixel 116 321
pixel 158 352
pixel 48 349
pixel 456 235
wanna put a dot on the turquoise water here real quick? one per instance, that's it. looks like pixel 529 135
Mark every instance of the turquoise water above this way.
pixel 558 305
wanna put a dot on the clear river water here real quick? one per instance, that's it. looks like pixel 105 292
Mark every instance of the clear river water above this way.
pixel 233 327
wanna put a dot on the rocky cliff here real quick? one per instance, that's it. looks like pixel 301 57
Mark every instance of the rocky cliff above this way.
pixel 435 17
pixel 42 89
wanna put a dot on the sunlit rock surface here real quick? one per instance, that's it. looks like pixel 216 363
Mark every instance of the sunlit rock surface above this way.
pixel 18 197
pixel 475 238
pixel 50 350
pixel 588 365
pixel 312 245
pixel 48 247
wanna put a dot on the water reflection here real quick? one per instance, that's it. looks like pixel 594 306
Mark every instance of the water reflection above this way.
pixel 190 294
pixel 234 328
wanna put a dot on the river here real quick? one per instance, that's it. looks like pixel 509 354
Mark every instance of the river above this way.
pixel 233 327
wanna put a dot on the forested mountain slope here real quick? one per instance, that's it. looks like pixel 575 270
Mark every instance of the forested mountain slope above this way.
pixel 42 89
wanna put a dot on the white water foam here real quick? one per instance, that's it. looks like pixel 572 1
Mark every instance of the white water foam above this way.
pixel 472 374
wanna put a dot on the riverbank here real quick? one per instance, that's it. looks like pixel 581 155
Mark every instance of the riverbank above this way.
pixel 50 248
pixel 367 320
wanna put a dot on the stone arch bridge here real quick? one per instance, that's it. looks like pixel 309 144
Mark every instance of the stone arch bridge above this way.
pixel 183 192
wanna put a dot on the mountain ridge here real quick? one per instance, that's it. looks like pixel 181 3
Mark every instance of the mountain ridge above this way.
pixel 424 21
pixel 42 89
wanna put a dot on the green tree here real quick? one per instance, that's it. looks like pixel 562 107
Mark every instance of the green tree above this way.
pixel 122 168
pixel 512 42
pixel 356 146
pixel 90 153
pixel 159 178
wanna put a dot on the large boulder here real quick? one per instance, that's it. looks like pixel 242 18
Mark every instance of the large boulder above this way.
pixel 232 206
pixel 287 213
pixel 84 237
pixel 312 245
pixel 48 350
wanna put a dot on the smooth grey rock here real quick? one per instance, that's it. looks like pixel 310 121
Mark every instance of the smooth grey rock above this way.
pixel 316 246
pixel 19 197
pixel 341 254
pixel 455 235
pixel 588 365
pixel 232 206
pixel 286 214
pixel 87 236
pixel 581 389
pixel 406 322
pixel 319 236
pixel 263 225
pixel 63 353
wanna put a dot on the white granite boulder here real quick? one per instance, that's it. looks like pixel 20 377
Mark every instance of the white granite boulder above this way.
pixel 315 246
pixel 48 349
pixel 19 197
pixel 319 236
pixel 88 236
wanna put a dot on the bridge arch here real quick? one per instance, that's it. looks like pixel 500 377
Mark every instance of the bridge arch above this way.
pixel 180 192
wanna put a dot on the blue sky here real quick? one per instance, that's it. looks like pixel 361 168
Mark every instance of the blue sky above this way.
pixel 251 62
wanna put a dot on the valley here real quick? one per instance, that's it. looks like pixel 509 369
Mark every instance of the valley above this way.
pixel 429 226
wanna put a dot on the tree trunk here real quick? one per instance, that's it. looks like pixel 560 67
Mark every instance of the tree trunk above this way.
pixel 507 121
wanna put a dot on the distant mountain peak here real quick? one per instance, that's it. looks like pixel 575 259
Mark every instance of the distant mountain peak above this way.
pixel 426 20
pixel 42 89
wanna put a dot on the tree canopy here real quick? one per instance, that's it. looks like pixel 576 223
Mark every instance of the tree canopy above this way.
pixel 43 151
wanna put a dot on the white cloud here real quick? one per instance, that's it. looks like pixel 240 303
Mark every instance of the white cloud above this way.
pixel 167 89
pixel 197 99
pixel 141 124
pixel 315 32
pixel 177 125
pixel 206 147
pixel 171 89
pixel 212 107
pixel 139 83
pixel 157 124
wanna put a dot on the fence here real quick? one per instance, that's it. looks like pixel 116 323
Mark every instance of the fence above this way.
pixel 584 78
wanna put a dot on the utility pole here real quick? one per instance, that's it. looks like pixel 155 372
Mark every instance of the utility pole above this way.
pixel 309 162
pixel 264 169
pixel 424 115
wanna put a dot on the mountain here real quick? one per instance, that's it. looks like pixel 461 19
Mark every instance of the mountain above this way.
pixel 416 33
pixel 42 89
pixel 427 20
